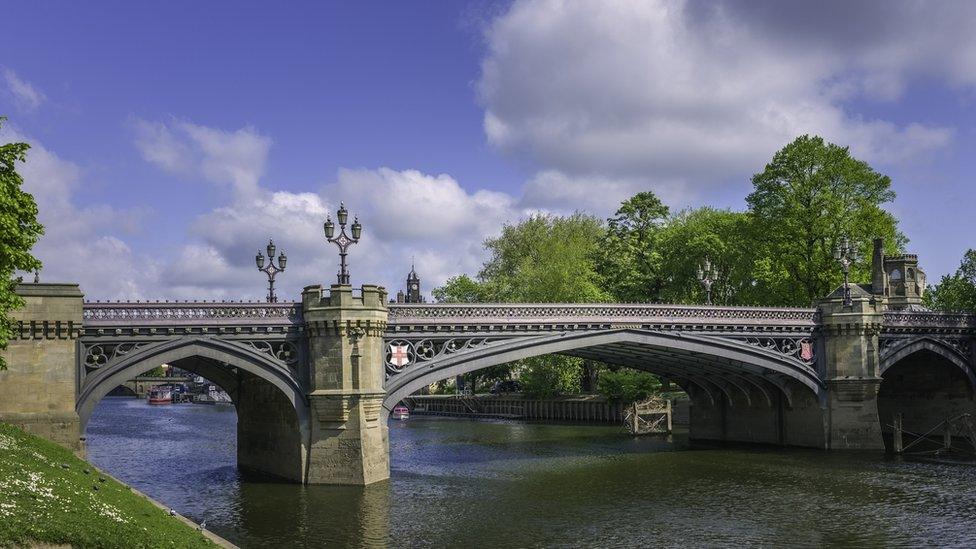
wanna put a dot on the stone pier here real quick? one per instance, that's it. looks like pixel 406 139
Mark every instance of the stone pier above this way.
pixel 852 374
pixel 349 436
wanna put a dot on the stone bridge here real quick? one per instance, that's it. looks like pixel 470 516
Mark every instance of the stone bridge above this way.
pixel 314 381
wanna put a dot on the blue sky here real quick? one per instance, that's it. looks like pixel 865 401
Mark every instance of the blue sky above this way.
pixel 171 141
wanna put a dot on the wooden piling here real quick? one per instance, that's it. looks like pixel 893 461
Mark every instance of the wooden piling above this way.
pixel 896 436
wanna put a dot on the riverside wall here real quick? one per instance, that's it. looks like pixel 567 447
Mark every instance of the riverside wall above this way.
pixel 584 408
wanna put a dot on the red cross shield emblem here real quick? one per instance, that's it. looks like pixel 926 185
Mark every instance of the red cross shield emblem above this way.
pixel 399 357
pixel 806 351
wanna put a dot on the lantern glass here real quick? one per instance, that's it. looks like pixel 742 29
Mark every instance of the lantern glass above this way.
pixel 357 229
pixel 329 228
pixel 259 259
pixel 271 249
pixel 343 214
pixel 282 259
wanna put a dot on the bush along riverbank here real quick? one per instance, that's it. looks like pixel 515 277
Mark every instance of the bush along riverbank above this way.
pixel 49 496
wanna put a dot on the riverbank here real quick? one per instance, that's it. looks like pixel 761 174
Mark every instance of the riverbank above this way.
pixel 573 408
pixel 49 496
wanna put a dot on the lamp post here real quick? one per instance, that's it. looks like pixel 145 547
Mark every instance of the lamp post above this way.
pixel 343 241
pixel 846 254
pixel 707 276
pixel 271 269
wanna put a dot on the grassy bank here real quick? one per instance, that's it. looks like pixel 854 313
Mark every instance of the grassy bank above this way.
pixel 49 495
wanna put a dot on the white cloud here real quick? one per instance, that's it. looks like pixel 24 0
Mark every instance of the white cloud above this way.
pixel 682 96
pixel 236 157
pixel 408 215
pixel 25 95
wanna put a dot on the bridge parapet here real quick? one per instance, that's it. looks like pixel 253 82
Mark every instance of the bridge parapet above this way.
pixel 179 313
pixel 467 317
pixel 929 322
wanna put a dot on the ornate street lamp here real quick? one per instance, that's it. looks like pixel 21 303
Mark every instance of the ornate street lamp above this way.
pixel 707 276
pixel 271 270
pixel 846 254
pixel 343 241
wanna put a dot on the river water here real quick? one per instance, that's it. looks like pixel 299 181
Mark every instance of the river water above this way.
pixel 476 483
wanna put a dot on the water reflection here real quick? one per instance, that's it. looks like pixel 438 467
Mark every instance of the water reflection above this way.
pixel 505 484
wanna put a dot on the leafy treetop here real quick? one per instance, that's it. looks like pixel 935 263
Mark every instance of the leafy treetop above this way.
pixel 19 231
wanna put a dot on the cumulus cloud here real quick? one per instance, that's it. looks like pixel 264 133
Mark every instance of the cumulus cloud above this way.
pixel 610 97
pixel 25 95
pixel 409 216
pixel 236 158
pixel 431 218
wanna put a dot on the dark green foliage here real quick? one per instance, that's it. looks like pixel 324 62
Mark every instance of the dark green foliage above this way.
pixel 691 237
pixel 550 375
pixel 956 292
pixel 19 231
pixel 630 260
pixel 626 385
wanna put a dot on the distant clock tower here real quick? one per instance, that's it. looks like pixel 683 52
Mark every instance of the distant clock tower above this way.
pixel 413 287
pixel 412 295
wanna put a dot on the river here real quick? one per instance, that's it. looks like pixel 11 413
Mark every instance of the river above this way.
pixel 478 483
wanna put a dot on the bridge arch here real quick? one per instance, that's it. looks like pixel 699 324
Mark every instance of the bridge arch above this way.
pixel 924 381
pixel 932 345
pixel 721 359
pixel 259 382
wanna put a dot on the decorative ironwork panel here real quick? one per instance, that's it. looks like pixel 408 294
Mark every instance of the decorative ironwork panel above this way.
pixel 401 353
pixel 99 354
pixel 282 351
pixel 890 345
pixel 800 348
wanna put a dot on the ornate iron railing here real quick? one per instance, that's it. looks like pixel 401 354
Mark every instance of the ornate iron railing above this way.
pixel 448 313
pixel 929 320
pixel 97 314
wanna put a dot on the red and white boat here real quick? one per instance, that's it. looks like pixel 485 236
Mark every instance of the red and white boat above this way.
pixel 160 394
pixel 401 412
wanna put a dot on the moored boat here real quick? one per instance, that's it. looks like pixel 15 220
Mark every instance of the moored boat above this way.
pixel 160 394
pixel 401 412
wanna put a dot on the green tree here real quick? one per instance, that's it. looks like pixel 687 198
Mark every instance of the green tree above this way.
pixel 626 385
pixel 956 292
pixel 629 257
pixel 19 231
pixel 551 375
pixel 545 259
pixel 810 195
pixel 720 236
pixel 460 289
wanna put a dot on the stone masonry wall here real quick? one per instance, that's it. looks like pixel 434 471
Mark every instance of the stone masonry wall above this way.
pixel 37 391
pixel 269 439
